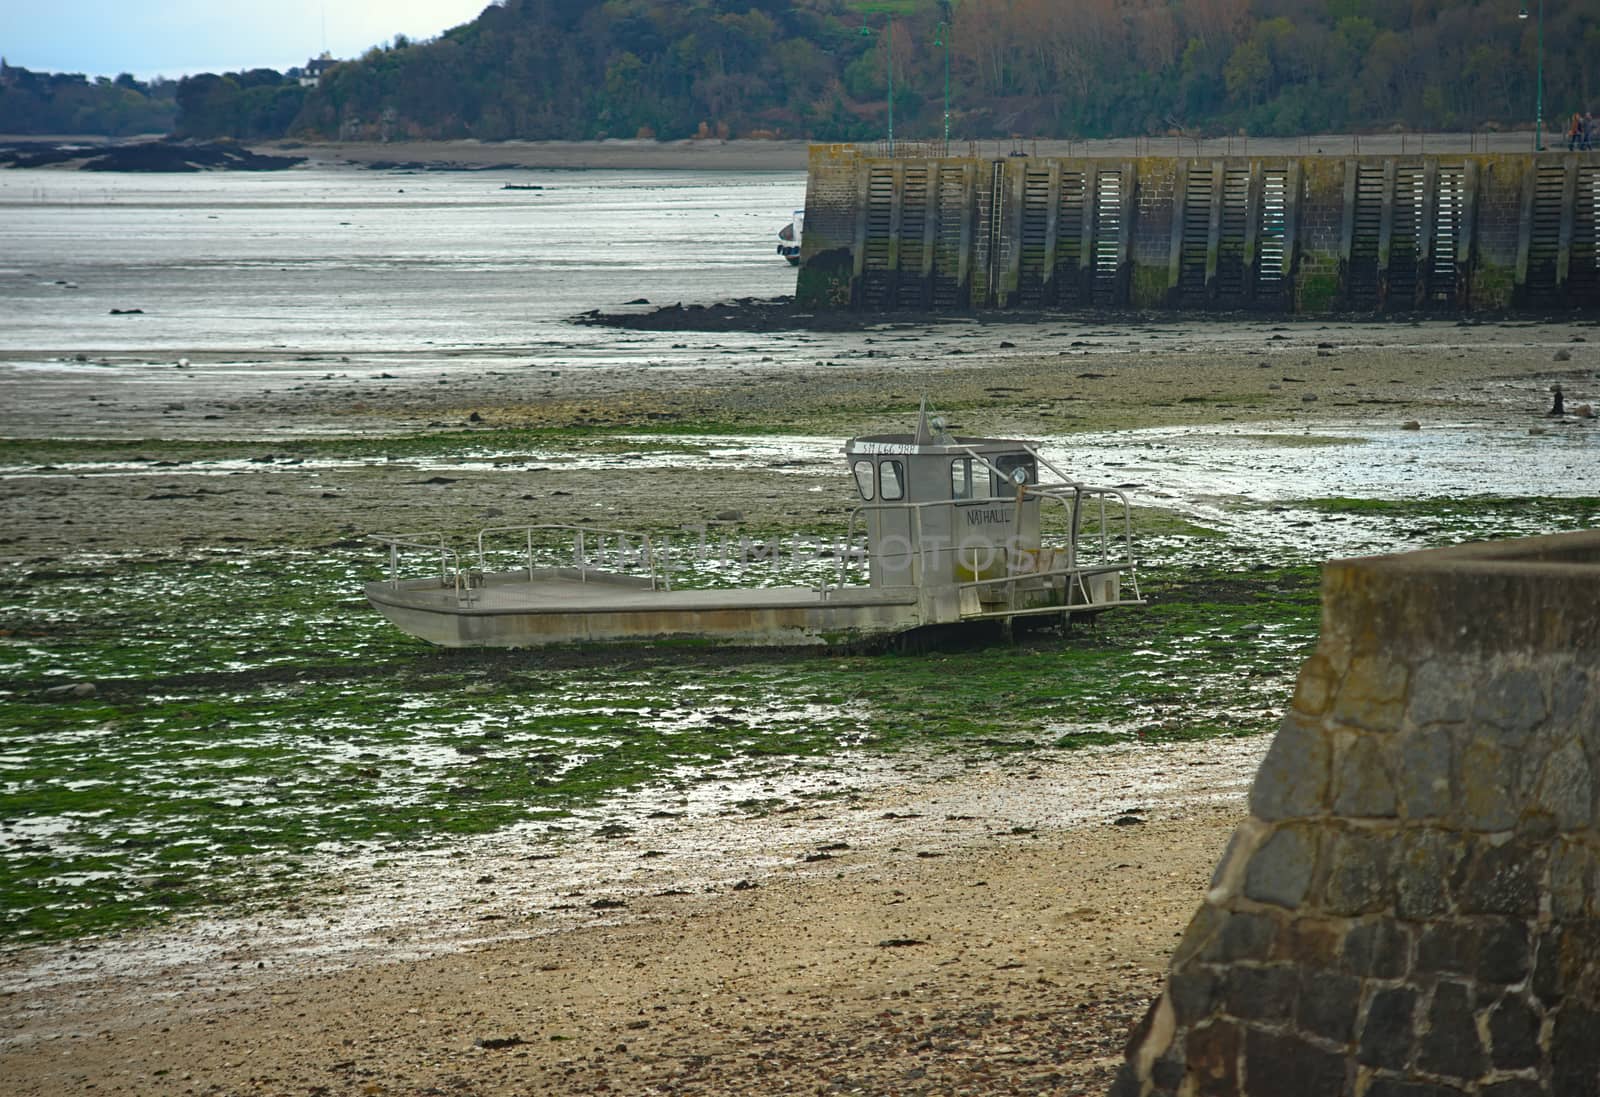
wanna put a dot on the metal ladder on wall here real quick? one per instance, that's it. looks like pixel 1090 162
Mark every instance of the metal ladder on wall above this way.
pixel 997 203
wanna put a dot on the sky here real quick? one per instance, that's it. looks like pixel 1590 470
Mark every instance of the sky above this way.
pixel 178 37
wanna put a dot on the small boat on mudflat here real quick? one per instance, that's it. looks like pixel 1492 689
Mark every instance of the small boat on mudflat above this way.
pixel 946 530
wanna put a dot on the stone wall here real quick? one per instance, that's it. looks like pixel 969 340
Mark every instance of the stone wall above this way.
pixel 1310 234
pixel 1413 907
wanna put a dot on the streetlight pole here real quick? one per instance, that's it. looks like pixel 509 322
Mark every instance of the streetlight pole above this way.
pixel 942 38
pixel 1538 107
pixel 891 82
pixel 866 32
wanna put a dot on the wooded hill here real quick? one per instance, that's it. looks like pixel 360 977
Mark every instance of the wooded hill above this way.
pixel 71 103
pixel 580 69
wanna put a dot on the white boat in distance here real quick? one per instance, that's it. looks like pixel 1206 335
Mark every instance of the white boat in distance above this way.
pixel 946 530
pixel 789 238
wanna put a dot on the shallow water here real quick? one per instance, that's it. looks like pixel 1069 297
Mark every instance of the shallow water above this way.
pixel 423 266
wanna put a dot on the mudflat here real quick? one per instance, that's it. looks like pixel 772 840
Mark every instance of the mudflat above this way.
pixel 992 927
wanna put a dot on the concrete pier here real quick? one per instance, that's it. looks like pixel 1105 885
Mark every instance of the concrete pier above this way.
pixel 1447 233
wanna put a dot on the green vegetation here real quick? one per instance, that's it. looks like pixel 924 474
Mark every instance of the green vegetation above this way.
pixel 252 715
pixel 54 103
pixel 255 728
pixel 579 69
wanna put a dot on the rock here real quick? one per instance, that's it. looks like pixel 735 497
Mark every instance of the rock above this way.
pixel 72 691
pixel 1584 411
pixel 1562 356
pixel 1411 424
pixel 127 312
pixel 1308 398
pixel 496 1043
pixel 730 516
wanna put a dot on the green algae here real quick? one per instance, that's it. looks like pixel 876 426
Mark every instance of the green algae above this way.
pixel 254 722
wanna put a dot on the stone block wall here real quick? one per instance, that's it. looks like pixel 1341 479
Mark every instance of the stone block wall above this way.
pixel 1320 266
pixel 1412 908
pixel 828 243
pixel 1154 206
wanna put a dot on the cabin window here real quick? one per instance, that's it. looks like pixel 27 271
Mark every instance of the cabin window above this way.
pixel 863 471
pixel 891 480
pixel 1008 464
pixel 961 478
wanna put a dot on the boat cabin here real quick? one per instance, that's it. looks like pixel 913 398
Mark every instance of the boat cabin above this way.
pixel 942 509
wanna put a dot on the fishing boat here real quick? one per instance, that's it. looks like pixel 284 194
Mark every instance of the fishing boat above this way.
pixel 945 531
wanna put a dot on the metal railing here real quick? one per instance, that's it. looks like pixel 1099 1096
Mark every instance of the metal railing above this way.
pixel 630 547
pixel 449 561
pixel 655 563
pixel 1115 549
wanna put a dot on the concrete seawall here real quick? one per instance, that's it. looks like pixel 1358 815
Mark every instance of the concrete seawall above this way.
pixel 1413 907
pixel 1294 234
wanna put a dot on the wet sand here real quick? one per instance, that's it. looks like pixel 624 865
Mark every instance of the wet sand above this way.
pixel 994 931
pixel 988 931
pixel 1059 379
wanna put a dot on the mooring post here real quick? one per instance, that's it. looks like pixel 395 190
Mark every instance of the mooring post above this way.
pixel 1088 231
pixel 1530 186
pixel 1052 226
pixel 1347 233
pixel 1569 211
pixel 1427 230
pixel 1128 211
pixel 930 234
pixel 859 258
pixel 1385 232
pixel 968 213
pixel 1466 263
pixel 1294 183
pixel 1180 204
pixel 1252 232
pixel 1012 279
pixel 897 186
pixel 1214 229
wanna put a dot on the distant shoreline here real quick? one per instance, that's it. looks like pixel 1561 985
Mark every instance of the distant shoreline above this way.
pixel 792 155
pixel 707 155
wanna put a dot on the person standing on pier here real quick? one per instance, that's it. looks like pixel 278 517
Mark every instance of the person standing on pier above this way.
pixel 1575 132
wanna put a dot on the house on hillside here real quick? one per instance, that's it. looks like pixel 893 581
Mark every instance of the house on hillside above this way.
pixel 311 76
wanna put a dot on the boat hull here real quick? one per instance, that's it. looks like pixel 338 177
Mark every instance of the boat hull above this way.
pixel 517 613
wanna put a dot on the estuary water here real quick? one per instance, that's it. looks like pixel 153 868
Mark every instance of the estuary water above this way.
pixel 324 260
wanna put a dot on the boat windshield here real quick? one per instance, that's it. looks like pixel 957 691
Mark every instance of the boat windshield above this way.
pixel 863 471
